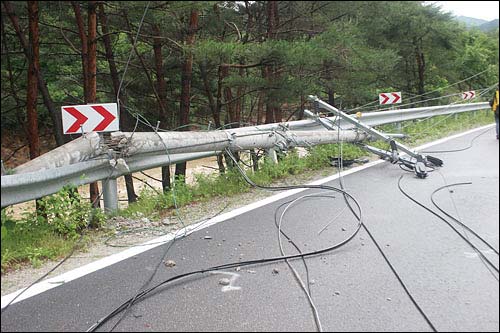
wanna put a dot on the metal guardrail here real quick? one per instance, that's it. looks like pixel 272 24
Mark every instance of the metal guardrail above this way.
pixel 378 117
pixel 32 185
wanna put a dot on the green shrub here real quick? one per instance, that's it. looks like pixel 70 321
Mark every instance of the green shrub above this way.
pixel 30 240
pixel 67 214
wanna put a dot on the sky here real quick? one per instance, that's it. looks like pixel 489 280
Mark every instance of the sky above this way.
pixel 486 10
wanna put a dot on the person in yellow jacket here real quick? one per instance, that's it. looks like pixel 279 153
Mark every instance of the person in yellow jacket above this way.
pixel 494 107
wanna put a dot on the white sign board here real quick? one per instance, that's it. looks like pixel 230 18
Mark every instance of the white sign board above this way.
pixel 90 118
pixel 469 94
pixel 389 98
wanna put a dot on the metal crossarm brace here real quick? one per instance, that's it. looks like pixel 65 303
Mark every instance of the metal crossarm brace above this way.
pixel 421 161
pixel 362 126
pixel 388 156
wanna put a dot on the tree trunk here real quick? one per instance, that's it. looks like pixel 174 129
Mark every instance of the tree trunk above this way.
pixel 162 94
pixel 13 90
pixel 269 107
pixel 228 98
pixel 186 76
pixel 143 63
pixel 239 100
pixel 32 90
pixel 125 119
pixel 92 52
pixel 214 107
pixel 91 77
pixel 260 108
pixel 210 96
pixel 84 48
pixel 421 71
pixel 273 112
pixel 331 96
pixel 55 115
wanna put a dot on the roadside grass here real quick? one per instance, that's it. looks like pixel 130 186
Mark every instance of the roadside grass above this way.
pixel 25 244
pixel 51 235
pixel 35 238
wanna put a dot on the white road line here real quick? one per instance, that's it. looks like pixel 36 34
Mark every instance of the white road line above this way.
pixel 112 259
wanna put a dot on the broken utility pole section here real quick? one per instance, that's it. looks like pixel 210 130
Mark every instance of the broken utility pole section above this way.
pixel 91 145
pixel 417 162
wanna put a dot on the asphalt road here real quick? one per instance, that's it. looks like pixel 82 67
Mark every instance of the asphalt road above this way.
pixel 352 287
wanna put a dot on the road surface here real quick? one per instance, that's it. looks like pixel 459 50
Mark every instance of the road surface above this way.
pixel 352 287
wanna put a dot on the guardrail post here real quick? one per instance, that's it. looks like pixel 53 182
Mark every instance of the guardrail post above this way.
pixel 271 153
pixel 110 194
pixel 398 127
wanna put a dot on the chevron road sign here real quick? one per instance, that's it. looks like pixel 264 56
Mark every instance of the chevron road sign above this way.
pixel 389 98
pixel 90 118
pixel 468 94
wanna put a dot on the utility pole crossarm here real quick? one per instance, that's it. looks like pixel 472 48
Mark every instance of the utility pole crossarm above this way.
pixel 393 156
pixel 373 132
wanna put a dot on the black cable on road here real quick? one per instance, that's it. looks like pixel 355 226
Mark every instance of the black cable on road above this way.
pixel 449 224
pixel 144 293
pixel 455 219
pixel 459 149
pixel 379 248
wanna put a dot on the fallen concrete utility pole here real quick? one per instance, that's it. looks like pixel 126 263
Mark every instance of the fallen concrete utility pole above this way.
pixel 79 150
pixel 90 145
pixel 93 157
pixel 191 142
pixel 134 152
pixel 124 144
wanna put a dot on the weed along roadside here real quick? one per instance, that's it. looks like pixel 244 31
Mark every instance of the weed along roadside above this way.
pixel 31 241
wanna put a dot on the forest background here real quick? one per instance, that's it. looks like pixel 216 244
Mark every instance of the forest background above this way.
pixel 195 65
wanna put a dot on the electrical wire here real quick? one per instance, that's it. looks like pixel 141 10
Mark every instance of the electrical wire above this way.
pixel 427 93
pixel 456 219
pixel 148 184
pixel 459 149
pixel 463 225
pixel 379 248
pixel 426 130
pixel 447 223
pixel 145 293
pixel 97 198
pixel 73 249
pixel 142 294
pixel 163 233
pixel 150 278
pixel 130 55
pixel 307 290
pixel 151 177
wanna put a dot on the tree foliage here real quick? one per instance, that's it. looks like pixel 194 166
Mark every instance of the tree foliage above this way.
pixel 250 59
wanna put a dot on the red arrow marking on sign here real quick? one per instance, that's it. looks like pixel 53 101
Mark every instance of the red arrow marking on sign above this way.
pixel 396 96
pixel 385 97
pixel 472 94
pixel 108 118
pixel 80 119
